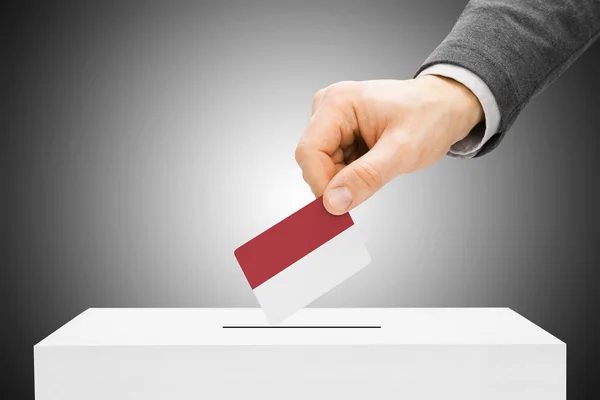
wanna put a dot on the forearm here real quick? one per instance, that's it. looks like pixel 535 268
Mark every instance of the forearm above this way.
pixel 518 47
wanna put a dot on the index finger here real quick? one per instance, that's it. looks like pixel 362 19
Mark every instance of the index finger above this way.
pixel 319 153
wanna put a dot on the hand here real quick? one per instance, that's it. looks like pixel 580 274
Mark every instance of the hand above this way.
pixel 363 134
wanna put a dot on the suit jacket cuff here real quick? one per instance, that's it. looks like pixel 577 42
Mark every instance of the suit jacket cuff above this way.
pixel 471 145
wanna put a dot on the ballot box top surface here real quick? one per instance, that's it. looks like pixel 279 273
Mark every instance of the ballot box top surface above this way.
pixel 310 326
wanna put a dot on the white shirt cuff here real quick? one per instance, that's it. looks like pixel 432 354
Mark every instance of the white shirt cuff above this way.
pixel 470 145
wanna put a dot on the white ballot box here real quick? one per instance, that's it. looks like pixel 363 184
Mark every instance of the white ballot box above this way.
pixel 345 353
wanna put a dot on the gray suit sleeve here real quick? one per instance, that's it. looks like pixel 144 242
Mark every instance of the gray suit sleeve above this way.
pixel 518 47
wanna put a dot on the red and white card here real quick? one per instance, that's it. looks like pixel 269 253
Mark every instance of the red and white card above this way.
pixel 301 258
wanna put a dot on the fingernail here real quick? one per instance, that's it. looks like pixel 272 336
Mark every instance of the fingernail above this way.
pixel 340 198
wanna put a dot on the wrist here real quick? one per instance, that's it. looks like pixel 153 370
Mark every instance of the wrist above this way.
pixel 463 103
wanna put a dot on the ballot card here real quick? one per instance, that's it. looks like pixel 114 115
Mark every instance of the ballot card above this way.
pixel 301 258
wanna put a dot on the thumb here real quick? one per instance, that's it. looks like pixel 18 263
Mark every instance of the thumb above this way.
pixel 362 178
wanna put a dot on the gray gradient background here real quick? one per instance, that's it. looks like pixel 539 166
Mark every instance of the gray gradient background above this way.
pixel 143 143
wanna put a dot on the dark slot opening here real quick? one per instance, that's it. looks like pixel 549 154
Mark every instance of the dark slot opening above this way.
pixel 302 327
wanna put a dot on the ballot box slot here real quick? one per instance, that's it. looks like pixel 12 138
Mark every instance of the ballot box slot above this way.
pixel 302 327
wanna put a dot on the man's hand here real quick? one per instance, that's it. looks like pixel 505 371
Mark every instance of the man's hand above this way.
pixel 363 134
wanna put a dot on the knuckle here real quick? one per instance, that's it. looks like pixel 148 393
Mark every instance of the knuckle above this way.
pixel 305 176
pixel 336 100
pixel 341 94
pixel 341 86
pixel 369 176
pixel 318 95
pixel 300 153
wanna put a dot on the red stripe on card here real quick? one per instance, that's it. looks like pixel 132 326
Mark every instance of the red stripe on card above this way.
pixel 288 241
